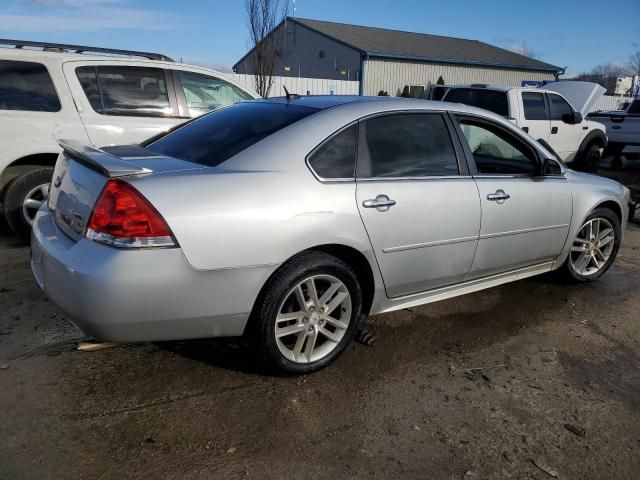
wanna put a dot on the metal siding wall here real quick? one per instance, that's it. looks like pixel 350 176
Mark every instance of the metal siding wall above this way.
pixel 315 86
pixel 393 75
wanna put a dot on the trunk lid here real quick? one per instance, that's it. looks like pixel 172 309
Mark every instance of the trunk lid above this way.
pixel 581 95
pixel 82 171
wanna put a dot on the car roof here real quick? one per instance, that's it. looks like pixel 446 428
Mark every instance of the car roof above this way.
pixel 63 56
pixel 322 102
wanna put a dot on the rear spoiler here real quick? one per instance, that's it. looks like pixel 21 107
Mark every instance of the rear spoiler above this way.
pixel 102 161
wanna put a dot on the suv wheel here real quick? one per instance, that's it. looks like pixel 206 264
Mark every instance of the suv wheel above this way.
pixel 594 248
pixel 589 160
pixel 308 313
pixel 23 198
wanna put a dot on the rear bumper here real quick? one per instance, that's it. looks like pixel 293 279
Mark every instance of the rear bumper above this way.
pixel 140 295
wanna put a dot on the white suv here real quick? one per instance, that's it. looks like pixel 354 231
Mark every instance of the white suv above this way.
pixel 553 115
pixel 93 95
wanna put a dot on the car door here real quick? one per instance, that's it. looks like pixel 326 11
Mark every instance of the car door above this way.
pixel 565 137
pixel 121 104
pixel 199 93
pixel 536 116
pixel 525 215
pixel 418 203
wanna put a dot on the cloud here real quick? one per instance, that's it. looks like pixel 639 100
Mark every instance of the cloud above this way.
pixel 84 16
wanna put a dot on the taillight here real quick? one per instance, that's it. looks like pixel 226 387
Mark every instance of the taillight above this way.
pixel 122 217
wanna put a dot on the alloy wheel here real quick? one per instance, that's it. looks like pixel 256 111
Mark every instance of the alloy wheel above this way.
pixel 592 246
pixel 313 319
pixel 33 200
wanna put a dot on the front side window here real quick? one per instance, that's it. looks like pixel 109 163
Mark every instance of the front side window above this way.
pixel 126 91
pixel 634 107
pixel 558 107
pixel 406 145
pixel 336 158
pixel 204 93
pixel 218 136
pixel 496 151
pixel 27 86
pixel 534 106
pixel 492 100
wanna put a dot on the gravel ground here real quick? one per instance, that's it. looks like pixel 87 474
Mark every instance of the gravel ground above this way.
pixel 560 394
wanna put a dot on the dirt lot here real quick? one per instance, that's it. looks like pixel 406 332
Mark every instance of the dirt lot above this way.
pixel 559 358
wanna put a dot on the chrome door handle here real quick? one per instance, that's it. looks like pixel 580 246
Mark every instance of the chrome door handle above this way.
pixel 499 197
pixel 381 202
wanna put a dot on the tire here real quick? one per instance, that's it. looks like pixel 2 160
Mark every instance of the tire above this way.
pixel 589 159
pixel 18 191
pixel 281 295
pixel 571 268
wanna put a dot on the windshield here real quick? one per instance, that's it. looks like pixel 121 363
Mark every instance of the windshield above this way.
pixel 218 136
pixel 491 100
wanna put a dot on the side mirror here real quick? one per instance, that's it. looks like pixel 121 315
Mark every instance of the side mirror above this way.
pixel 550 167
pixel 572 118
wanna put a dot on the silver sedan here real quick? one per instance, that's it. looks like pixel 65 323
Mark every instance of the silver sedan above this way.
pixel 287 219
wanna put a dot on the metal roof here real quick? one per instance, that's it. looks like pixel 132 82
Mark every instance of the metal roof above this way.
pixel 396 44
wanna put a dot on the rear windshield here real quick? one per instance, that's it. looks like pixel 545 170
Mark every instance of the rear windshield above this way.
pixel 491 100
pixel 27 86
pixel 218 136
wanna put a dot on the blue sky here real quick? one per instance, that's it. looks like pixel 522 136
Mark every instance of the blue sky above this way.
pixel 577 34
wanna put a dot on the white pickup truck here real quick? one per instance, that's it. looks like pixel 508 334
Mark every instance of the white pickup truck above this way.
pixel 623 130
pixel 553 115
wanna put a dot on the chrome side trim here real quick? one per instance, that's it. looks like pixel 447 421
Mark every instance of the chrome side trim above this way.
pixel 429 244
pixel 524 230
pixel 413 300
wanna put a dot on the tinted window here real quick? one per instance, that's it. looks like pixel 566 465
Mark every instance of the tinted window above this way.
pixel 634 107
pixel 534 107
pixel 491 100
pixel 205 93
pixel 558 107
pixel 27 86
pixel 336 158
pixel 131 91
pixel 407 145
pixel 216 137
pixel 496 151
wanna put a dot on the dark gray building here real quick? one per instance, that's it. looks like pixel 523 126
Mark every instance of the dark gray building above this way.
pixel 382 59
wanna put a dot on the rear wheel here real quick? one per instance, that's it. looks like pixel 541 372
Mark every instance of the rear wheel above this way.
pixel 594 247
pixel 23 198
pixel 308 313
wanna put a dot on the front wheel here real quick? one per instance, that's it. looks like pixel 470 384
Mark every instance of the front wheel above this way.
pixel 589 160
pixel 594 248
pixel 308 313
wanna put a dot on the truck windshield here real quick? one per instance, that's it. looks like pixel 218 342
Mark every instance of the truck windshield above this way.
pixel 491 100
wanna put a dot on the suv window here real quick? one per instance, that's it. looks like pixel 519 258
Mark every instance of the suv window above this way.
pixel 534 106
pixel 27 86
pixel 634 107
pixel 218 136
pixel 204 93
pixel 406 145
pixel 558 107
pixel 491 100
pixel 495 151
pixel 336 157
pixel 130 91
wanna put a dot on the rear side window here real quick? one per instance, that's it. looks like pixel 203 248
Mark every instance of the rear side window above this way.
pixel 128 91
pixel 218 136
pixel 204 93
pixel 27 86
pixel 406 145
pixel 491 100
pixel 634 107
pixel 534 106
pixel 558 107
pixel 336 158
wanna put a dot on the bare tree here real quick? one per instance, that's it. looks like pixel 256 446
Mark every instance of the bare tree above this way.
pixel 606 74
pixel 263 16
pixel 634 63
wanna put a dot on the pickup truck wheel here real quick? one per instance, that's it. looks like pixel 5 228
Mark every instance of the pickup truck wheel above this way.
pixel 594 247
pixel 589 159
pixel 308 313
pixel 23 198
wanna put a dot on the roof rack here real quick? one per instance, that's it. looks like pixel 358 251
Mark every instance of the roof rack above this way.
pixel 84 49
